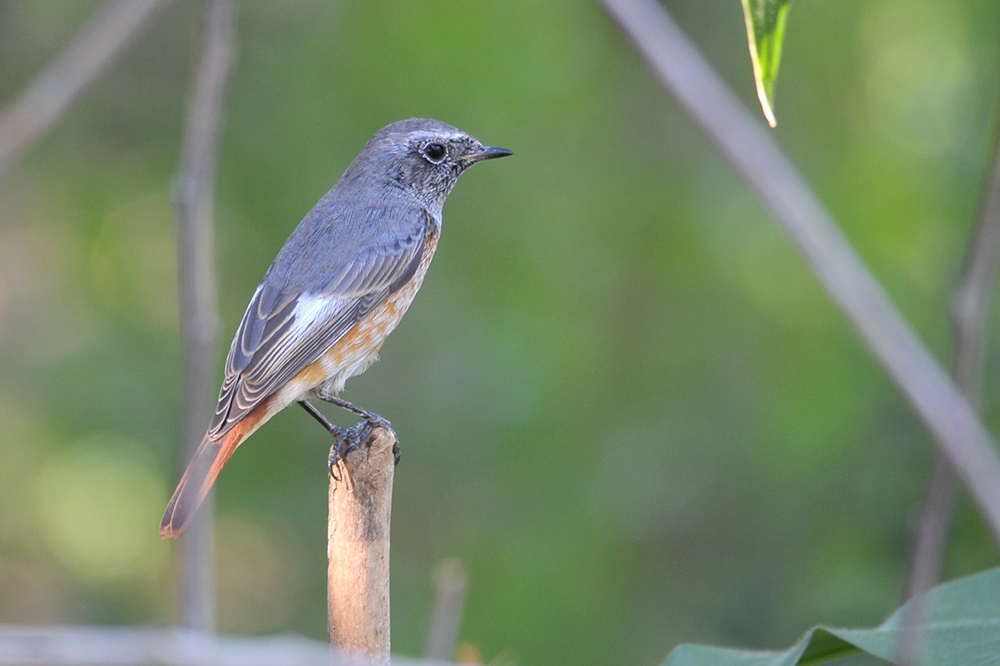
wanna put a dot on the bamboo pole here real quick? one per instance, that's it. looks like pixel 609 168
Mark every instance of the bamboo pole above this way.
pixel 358 546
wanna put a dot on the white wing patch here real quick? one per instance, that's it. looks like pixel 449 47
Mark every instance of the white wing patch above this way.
pixel 309 309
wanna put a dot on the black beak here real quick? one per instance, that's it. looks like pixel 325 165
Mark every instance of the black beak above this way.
pixel 491 153
pixel 487 153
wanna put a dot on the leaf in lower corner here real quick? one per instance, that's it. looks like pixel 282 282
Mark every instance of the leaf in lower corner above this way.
pixel 955 624
pixel 765 21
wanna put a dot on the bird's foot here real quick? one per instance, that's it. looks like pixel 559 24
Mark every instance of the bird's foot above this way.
pixel 346 440
pixel 350 439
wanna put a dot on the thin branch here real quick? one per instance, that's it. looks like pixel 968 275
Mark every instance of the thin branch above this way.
pixel 757 158
pixel 930 535
pixel 195 203
pixel 970 307
pixel 451 582
pixel 70 73
pixel 21 645
pixel 971 302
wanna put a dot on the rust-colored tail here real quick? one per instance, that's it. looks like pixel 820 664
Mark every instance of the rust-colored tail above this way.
pixel 197 481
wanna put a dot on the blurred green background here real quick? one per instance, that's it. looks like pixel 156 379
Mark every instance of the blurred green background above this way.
pixel 623 400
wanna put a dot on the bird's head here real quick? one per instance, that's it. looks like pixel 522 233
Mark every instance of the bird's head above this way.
pixel 425 157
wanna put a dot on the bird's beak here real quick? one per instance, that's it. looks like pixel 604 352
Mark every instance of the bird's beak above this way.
pixel 487 153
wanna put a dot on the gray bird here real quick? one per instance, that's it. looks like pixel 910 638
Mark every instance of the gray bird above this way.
pixel 337 288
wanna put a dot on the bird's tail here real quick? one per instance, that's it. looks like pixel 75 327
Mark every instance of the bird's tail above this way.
pixel 201 473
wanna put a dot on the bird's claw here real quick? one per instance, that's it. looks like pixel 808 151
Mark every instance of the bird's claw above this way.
pixel 346 440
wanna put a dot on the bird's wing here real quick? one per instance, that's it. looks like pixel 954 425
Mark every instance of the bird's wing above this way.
pixel 284 330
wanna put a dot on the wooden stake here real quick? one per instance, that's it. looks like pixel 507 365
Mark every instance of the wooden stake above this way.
pixel 358 547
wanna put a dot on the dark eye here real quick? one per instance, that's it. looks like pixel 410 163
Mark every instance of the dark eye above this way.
pixel 435 152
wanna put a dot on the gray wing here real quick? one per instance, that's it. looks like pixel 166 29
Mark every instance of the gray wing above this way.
pixel 286 327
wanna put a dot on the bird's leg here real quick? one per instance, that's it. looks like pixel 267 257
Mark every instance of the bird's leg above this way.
pixel 345 440
pixel 334 430
pixel 372 418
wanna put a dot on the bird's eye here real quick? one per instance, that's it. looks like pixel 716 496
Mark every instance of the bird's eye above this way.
pixel 435 152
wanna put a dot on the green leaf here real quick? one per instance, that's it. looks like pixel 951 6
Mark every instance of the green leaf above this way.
pixel 765 21
pixel 960 625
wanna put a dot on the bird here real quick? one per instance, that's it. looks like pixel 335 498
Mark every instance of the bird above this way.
pixel 339 285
